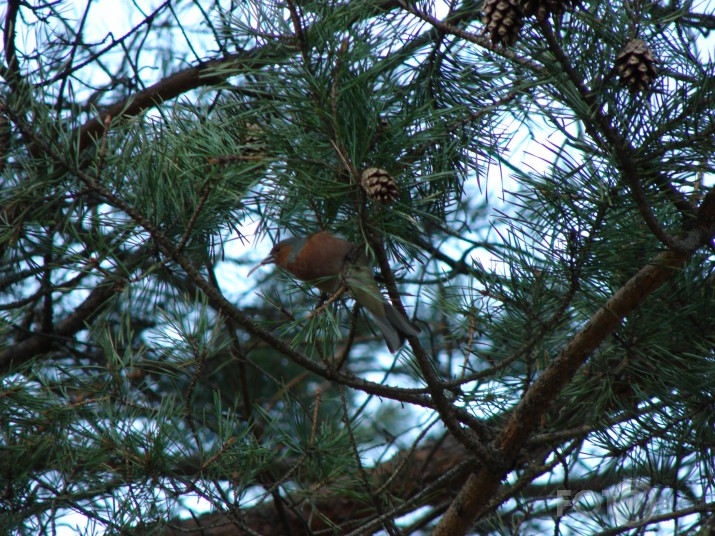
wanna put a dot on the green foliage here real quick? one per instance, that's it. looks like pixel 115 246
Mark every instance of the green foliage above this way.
pixel 142 371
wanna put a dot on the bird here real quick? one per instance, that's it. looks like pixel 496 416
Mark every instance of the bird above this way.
pixel 327 262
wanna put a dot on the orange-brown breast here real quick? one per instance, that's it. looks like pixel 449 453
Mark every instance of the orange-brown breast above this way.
pixel 319 258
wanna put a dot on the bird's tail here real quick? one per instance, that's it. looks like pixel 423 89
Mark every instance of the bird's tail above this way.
pixel 395 327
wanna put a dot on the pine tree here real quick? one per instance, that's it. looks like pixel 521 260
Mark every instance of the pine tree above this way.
pixel 539 202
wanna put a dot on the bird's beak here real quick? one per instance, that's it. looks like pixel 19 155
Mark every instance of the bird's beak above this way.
pixel 268 260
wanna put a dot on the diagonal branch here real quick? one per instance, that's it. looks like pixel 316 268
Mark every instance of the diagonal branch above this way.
pixel 206 74
pixel 12 71
pixel 83 315
pixel 474 497
pixel 423 476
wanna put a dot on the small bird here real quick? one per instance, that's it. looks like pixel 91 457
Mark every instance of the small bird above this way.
pixel 327 261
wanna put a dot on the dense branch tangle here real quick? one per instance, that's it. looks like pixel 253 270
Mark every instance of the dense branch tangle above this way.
pixel 138 373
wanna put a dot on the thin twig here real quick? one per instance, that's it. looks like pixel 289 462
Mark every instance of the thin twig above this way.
pixel 194 217
pixel 332 299
pixel 316 415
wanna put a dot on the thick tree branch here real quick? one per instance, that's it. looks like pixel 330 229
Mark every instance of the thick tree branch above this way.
pixel 42 343
pixel 12 72
pixel 426 476
pixel 207 74
pixel 212 72
pixel 480 487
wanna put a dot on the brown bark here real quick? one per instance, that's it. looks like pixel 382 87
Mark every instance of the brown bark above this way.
pixel 404 477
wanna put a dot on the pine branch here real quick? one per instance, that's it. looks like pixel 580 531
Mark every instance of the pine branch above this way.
pixel 12 71
pixel 211 73
pixel 420 477
pixel 83 315
pixel 480 487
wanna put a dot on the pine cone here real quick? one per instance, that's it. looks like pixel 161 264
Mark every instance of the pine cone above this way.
pixel 542 8
pixel 379 185
pixel 251 140
pixel 503 20
pixel 636 65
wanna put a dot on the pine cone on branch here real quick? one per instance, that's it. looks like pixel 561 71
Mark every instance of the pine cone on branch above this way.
pixel 636 66
pixel 543 8
pixel 503 20
pixel 379 185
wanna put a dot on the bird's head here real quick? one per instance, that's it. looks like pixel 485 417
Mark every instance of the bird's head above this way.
pixel 281 254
